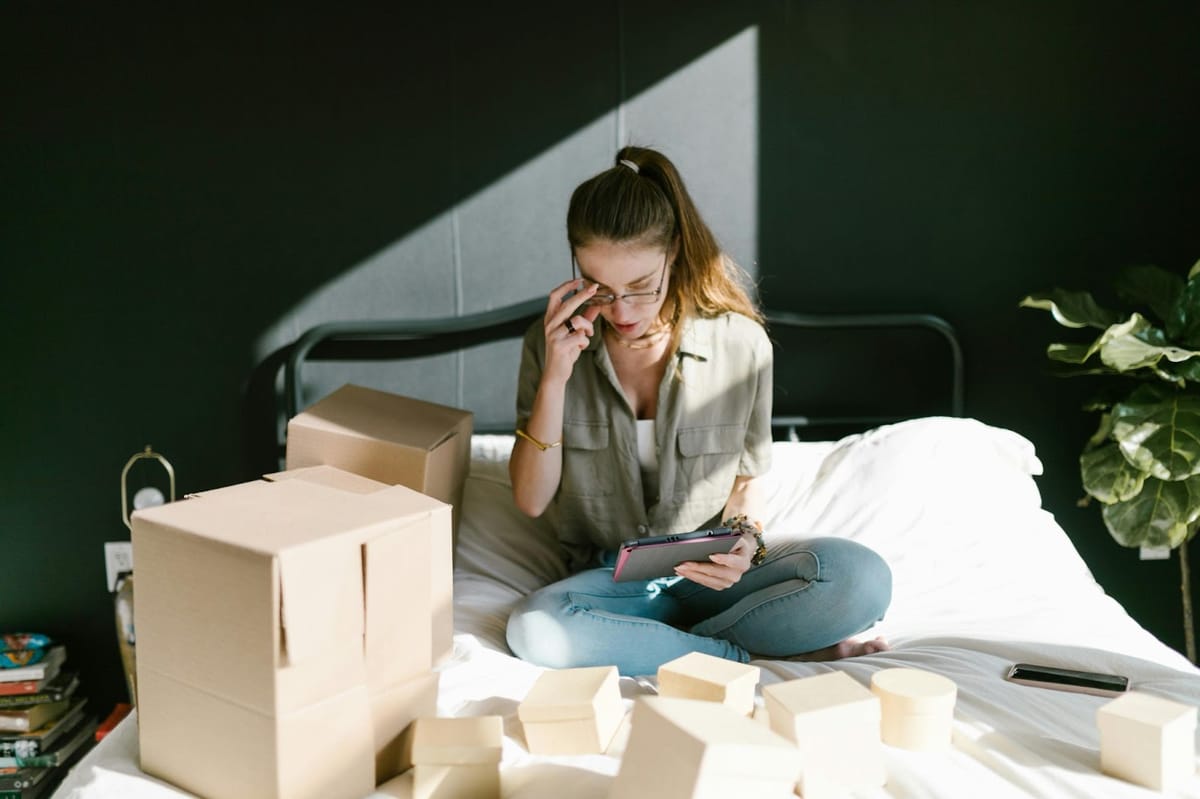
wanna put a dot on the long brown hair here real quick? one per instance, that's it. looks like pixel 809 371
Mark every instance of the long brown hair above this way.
pixel 651 206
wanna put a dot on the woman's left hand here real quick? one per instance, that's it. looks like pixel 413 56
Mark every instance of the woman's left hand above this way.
pixel 722 571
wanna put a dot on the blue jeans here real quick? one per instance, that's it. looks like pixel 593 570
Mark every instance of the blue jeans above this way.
pixel 806 596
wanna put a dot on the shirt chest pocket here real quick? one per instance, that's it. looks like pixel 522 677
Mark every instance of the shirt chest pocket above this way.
pixel 709 457
pixel 588 464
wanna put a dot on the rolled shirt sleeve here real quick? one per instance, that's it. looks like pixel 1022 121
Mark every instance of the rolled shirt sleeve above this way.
pixel 756 459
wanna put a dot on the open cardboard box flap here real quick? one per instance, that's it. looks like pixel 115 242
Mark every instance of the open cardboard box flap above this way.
pixel 368 413
pixel 346 577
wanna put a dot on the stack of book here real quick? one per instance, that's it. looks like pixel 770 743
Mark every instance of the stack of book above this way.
pixel 43 724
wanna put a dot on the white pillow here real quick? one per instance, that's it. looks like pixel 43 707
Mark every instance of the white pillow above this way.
pixel 949 503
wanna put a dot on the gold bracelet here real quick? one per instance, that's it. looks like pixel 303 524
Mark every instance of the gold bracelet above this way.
pixel 743 525
pixel 543 446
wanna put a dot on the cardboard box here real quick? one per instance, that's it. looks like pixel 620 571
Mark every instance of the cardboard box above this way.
pixel 711 679
pixel 387 437
pixel 1147 740
pixel 695 749
pixel 276 617
pixel 917 708
pixel 834 722
pixel 439 580
pixel 457 758
pixel 572 711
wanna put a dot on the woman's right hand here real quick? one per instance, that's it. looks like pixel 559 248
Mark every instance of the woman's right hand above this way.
pixel 568 331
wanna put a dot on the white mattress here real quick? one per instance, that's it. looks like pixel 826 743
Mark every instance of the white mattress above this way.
pixel 983 577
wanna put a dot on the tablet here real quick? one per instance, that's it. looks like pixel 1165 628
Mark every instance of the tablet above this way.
pixel 657 556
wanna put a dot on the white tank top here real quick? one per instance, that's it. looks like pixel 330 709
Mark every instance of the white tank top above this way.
pixel 647 459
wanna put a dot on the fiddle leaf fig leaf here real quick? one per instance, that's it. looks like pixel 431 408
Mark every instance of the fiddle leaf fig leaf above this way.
pixel 1069 353
pixel 1108 476
pixel 1182 373
pixel 1102 433
pixel 1159 516
pixel 1149 286
pixel 1158 431
pixel 1072 308
pixel 1104 398
pixel 1183 323
pixel 1124 346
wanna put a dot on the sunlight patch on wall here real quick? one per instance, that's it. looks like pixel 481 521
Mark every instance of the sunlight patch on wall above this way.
pixel 506 242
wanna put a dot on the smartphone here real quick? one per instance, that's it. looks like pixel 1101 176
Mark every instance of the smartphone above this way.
pixel 1084 682
pixel 657 556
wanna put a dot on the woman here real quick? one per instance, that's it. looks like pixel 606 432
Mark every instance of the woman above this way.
pixel 644 408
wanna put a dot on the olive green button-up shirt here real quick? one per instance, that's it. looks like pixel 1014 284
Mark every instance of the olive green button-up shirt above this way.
pixel 713 423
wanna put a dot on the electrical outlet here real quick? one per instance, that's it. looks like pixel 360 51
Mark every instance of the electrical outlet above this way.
pixel 118 557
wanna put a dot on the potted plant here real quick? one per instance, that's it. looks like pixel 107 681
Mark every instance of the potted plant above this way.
pixel 1143 462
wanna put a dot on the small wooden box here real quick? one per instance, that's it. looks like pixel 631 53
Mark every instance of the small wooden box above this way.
pixel 711 679
pixel 917 706
pixel 457 758
pixel 572 711
pixel 1147 740
pixel 694 749
pixel 834 722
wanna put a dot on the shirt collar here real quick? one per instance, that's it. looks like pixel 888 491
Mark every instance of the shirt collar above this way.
pixel 695 340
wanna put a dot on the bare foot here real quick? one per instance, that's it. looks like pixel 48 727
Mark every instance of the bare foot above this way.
pixel 844 649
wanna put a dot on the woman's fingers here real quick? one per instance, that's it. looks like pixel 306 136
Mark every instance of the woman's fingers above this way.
pixel 565 302
pixel 583 323
pixel 721 570
pixel 714 575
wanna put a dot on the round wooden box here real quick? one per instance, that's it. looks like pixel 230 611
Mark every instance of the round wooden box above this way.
pixel 918 708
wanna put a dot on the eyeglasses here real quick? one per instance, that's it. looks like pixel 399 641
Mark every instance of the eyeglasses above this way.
pixel 633 297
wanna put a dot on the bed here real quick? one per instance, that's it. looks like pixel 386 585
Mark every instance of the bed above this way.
pixel 983 576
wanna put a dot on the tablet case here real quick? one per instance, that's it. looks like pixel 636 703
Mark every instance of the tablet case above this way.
pixel 657 556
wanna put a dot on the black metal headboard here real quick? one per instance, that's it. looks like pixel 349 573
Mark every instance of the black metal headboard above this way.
pixel 833 372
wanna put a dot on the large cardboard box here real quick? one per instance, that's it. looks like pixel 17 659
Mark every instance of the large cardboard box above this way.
pixel 284 633
pixel 439 579
pixel 387 437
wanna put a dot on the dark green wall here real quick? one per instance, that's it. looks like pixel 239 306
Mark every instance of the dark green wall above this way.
pixel 953 157
pixel 174 180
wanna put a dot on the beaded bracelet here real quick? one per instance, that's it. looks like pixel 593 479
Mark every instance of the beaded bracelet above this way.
pixel 543 446
pixel 741 524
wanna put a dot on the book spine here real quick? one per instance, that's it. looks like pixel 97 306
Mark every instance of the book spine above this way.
pixel 22 781
pixel 22 688
pixel 37 761
pixel 16 785
pixel 30 699
pixel 26 747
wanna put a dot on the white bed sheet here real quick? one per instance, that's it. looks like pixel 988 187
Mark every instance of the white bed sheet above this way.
pixel 983 577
